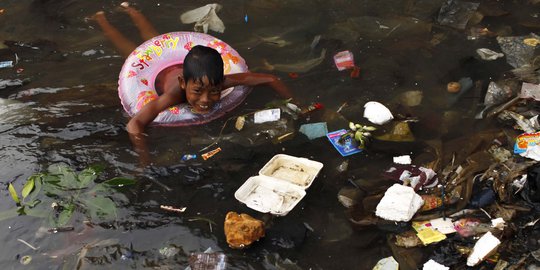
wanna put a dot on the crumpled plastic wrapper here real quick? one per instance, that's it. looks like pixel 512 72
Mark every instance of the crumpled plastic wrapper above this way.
pixel 489 55
pixel 518 52
pixel 7 83
pixel 205 18
pixel 456 13
pixel 529 90
pixel 415 176
pixel 241 230
pixel 208 260
pixel 498 93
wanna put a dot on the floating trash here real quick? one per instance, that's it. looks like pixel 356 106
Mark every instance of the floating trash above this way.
pixel 26 260
pixel 489 55
pixel 344 60
pixel 399 203
pixel 377 113
pixel 269 115
pixel 456 13
pixel 205 18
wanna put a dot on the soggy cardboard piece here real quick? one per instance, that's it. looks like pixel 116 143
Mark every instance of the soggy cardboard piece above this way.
pixel 280 185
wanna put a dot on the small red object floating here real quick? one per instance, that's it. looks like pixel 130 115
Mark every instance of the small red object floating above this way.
pixel 293 75
pixel 355 72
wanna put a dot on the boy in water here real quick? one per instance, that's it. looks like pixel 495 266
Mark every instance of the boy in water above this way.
pixel 199 81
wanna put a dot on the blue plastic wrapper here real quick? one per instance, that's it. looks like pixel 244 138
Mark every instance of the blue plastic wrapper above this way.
pixel 346 147
pixel 188 157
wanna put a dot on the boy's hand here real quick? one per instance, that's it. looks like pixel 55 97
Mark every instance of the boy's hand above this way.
pixel 139 143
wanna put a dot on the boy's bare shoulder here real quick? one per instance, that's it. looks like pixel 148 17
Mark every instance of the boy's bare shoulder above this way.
pixel 172 96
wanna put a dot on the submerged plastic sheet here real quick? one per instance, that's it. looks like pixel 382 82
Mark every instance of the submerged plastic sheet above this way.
pixel 7 83
pixel 529 90
pixel 456 13
pixel 518 53
pixel 208 260
pixel 314 130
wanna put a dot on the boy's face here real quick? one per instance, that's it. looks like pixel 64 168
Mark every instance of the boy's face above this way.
pixel 202 96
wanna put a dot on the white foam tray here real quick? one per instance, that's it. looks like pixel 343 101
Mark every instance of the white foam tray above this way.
pixel 298 171
pixel 280 185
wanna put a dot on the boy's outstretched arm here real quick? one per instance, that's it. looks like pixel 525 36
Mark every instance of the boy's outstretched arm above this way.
pixel 145 116
pixel 253 79
pixel 149 112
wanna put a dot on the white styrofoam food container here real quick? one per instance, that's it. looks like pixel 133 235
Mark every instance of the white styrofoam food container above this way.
pixel 280 185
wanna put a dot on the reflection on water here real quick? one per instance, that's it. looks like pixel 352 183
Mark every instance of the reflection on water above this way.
pixel 67 110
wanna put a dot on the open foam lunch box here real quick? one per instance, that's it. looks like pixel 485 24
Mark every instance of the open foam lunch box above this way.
pixel 280 185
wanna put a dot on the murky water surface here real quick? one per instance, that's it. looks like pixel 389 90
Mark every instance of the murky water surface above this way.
pixel 67 110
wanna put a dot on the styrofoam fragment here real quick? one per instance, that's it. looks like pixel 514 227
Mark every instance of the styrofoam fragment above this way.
pixel 433 265
pixel 399 203
pixel 405 159
pixel 483 247
pixel 388 263
pixel 498 223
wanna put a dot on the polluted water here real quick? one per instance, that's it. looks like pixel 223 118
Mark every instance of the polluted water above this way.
pixel 410 139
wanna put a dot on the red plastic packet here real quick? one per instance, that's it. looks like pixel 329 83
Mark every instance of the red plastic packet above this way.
pixel 344 60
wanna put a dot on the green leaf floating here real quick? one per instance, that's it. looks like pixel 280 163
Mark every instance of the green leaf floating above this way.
pixel 66 176
pixel 72 191
pixel 37 186
pixel 13 193
pixel 87 176
pixel 28 186
pixel 119 182
pixel 65 215
pixel 100 207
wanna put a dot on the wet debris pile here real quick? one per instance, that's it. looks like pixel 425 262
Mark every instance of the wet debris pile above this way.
pixel 465 200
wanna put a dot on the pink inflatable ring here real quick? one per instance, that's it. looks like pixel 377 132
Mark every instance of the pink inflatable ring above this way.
pixel 136 82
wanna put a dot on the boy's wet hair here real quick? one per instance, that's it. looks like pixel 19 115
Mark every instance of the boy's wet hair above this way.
pixel 203 61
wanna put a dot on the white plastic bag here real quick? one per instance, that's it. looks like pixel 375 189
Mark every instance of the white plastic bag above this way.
pixel 204 18
pixel 377 113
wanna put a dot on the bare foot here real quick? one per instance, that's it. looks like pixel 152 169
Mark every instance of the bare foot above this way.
pixel 98 17
pixel 125 7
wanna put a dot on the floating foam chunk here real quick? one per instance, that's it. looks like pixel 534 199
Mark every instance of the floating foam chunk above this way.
pixel 406 159
pixel 377 113
pixel 433 265
pixel 399 203
pixel 483 247
pixel 388 263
